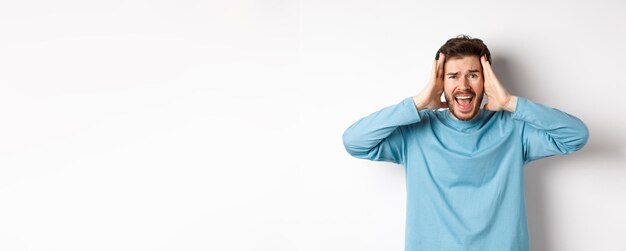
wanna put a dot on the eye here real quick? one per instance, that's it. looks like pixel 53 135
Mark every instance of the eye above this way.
pixel 452 76
pixel 473 76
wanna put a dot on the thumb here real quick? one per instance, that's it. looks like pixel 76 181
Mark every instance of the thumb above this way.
pixel 486 106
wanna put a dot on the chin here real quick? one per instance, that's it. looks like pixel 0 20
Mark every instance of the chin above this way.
pixel 465 116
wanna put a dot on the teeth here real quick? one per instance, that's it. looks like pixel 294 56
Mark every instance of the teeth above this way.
pixel 464 97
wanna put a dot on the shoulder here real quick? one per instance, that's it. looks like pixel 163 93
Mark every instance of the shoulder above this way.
pixel 500 119
pixel 426 118
pixel 432 116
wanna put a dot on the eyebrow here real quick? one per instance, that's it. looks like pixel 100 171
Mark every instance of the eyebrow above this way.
pixel 457 73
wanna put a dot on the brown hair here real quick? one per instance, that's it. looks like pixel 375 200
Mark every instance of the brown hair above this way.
pixel 464 45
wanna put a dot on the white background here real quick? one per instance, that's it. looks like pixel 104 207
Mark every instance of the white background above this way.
pixel 216 125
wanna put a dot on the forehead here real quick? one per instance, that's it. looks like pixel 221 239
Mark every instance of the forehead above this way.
pixel 463 64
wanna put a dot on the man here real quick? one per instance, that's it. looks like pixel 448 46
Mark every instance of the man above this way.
pixel 464 165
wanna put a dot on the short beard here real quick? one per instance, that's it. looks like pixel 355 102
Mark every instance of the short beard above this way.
pixel 479 101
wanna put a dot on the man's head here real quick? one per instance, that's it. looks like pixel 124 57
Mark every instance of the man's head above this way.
pixel 463 75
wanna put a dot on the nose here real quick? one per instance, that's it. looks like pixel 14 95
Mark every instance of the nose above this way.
pixel 464 82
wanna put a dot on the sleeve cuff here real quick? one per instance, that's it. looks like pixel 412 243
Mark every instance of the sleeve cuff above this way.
pixel 520 106
pixel 412 111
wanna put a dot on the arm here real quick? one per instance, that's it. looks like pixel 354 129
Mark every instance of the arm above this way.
pixel 380 136
pixel 547 131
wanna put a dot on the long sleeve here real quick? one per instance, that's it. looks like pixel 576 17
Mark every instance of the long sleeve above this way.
pixel 547 131
pixel 379 136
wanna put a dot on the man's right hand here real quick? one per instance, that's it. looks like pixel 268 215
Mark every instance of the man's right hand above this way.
pixel 430 96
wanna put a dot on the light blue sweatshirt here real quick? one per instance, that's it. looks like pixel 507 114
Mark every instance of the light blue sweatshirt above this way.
pixel 465 179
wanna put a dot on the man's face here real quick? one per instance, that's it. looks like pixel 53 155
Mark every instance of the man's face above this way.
pixel 463 86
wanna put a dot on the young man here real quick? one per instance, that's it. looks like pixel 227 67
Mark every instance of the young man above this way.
pixel 463 164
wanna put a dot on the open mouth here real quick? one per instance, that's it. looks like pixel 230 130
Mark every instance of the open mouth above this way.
pixel 464 101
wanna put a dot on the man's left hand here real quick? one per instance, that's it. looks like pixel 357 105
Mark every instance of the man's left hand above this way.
pixel 498 98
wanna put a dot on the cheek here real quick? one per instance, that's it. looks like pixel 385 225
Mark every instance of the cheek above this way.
pixel 478 86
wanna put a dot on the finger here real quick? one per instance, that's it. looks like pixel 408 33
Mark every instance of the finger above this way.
pixel 442 58
pixel 486 66
pixel 490 107
pixel 435 73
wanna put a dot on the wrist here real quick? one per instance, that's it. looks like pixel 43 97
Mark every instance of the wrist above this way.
pixel 511 104
pixel 418 103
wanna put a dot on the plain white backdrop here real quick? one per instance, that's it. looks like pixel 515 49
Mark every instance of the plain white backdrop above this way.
pixel 216 125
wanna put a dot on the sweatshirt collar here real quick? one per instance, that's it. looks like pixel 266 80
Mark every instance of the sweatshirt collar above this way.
pixel 452 121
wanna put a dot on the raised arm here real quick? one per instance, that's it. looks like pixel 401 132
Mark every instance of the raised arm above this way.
pixel 380 135
pixel 545 131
